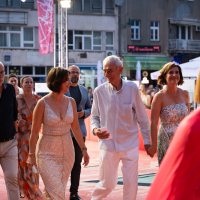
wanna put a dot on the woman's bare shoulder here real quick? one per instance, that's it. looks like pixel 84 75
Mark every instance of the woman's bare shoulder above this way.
pixel 183 92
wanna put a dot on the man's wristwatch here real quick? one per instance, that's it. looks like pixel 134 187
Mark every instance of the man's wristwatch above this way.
pixel 84 148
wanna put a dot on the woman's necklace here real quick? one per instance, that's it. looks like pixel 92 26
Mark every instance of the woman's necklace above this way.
pixel 58 99
pixel 61 98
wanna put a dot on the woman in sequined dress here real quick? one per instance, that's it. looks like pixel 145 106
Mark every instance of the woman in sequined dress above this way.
pixel 55 152
pixel 170 105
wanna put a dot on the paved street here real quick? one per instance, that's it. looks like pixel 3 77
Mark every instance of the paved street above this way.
pixel 89 176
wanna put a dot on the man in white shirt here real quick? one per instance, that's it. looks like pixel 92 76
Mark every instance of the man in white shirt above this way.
pixel 117 106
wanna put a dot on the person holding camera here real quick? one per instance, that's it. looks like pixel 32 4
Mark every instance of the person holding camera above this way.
pixel 83 103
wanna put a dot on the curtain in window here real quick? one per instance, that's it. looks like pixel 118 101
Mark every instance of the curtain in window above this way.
pixel 109 38
pixel 87 43
pixel 15 40
pixel 3 3
pixel 97 38
pixel 3 39
pixel 28 34
pixel 77 5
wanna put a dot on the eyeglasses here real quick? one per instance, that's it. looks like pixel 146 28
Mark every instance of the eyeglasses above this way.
pixel 73 72
pixel 2 73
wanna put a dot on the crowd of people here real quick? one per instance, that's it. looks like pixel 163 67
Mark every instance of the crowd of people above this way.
pixel 116 107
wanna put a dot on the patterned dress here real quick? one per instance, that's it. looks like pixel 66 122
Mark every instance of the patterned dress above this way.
pixel 170 117
pixel 28 181
pixel 55 152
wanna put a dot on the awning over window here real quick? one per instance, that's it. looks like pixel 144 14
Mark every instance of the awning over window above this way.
pixel 147 62
pixel 183 22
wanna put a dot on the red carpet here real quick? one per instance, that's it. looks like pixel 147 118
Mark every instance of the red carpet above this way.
pixel 90 173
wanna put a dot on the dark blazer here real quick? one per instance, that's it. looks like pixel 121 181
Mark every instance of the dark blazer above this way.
pixel 86 104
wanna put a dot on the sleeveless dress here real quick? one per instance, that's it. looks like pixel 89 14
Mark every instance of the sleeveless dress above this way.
pixel 55 152
pixel 170 117
pixel 28 181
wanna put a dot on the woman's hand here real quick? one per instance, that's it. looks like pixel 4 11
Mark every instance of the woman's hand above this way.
pixel 31 161
pixel 85 157
pixel 152 150
pixel 21 122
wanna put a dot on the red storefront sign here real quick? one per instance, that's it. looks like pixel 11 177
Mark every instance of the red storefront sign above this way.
pixel 142 48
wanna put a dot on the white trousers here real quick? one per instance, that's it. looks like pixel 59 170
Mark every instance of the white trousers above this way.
pixel 108 173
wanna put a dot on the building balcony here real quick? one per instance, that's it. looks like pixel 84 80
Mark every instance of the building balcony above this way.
pixel 184 45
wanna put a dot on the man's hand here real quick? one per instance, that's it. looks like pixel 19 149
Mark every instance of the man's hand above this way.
pixel 81 113
pixel 152 150
pixel 101 135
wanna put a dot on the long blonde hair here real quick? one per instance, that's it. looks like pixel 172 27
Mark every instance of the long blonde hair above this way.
pixel 197 90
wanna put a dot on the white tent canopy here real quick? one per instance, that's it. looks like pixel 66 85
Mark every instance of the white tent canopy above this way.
pixel 189 69
pixel 196 59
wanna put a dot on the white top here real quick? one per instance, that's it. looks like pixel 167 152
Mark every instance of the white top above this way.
pixel 20 90
pixel 119 111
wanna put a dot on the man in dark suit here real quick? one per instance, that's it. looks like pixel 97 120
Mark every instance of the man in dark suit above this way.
pixel 83 103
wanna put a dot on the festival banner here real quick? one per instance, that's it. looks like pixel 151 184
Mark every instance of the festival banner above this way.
pixel 45 25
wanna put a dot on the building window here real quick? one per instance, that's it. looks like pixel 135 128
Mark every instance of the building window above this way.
pixel 184 32
pixel 17 3
pixel 97 6
pixel 27 70
pixel 11 36
pixel 109 41
pixel 14 70
pixel 154 31
pixel 39 70
pixel 135 30
pixel 110 5
pixel 28 37
pixel 87 6
pixel 70 39
pixel 3 3
pixel 84 40
pixel 96 40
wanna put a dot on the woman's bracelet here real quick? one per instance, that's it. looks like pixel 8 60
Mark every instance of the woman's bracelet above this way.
pixel 31 154
pixel 84 148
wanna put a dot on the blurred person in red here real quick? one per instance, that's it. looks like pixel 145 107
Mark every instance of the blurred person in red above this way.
pixel 179 176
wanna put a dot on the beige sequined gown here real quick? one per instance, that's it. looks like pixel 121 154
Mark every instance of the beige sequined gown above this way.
pixel 55 152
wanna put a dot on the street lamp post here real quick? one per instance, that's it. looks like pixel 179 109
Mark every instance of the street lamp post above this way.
pixel 63 33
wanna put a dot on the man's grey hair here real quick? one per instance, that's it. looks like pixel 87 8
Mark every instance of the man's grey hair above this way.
pixel 114 59
pixel 1 64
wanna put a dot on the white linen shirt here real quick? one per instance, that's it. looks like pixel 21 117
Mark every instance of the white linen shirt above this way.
pixel 119 111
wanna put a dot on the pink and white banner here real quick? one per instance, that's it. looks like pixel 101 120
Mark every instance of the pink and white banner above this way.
pixel 45 25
